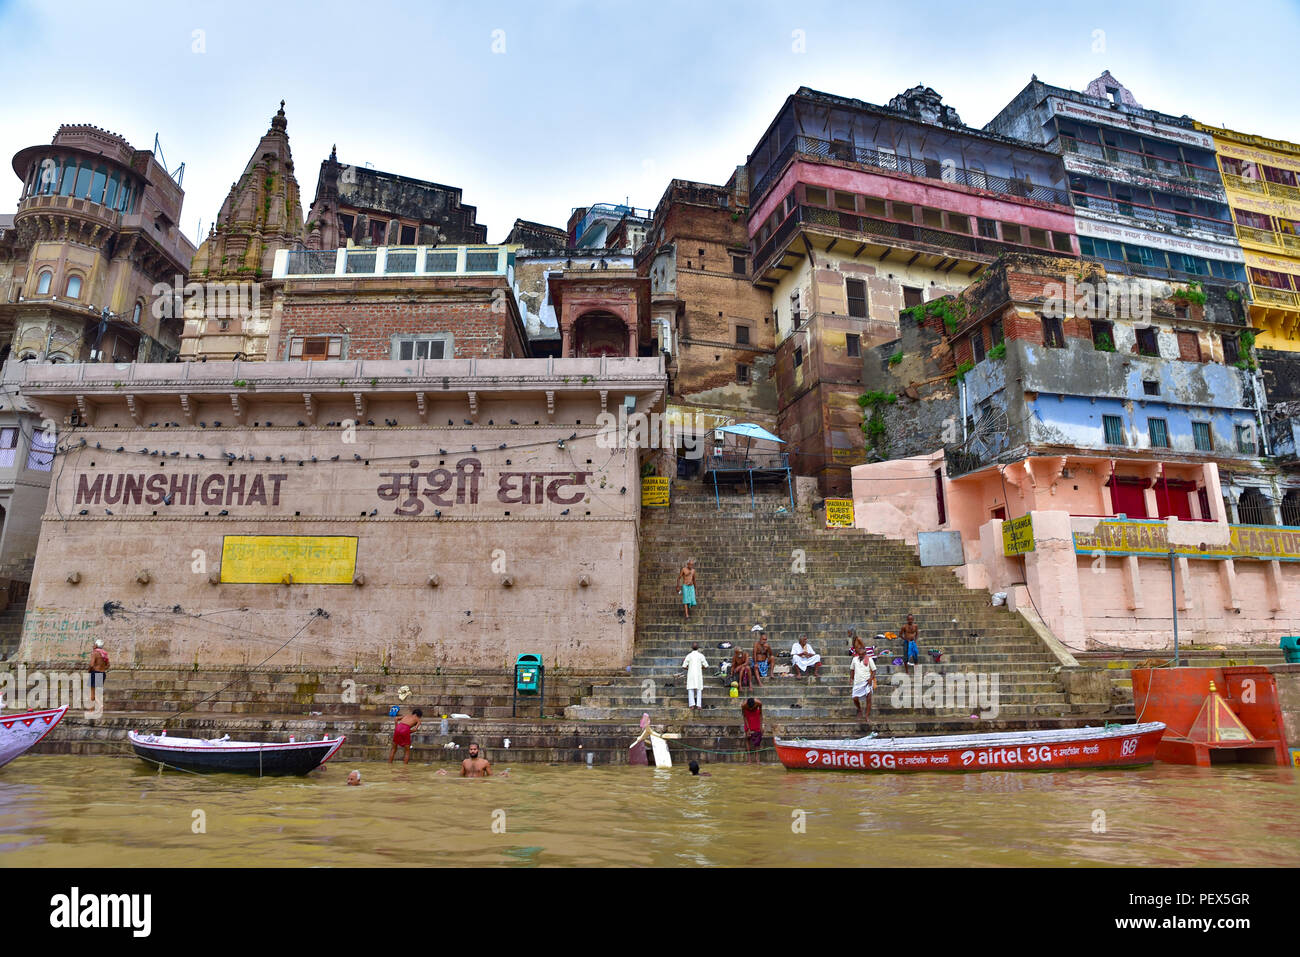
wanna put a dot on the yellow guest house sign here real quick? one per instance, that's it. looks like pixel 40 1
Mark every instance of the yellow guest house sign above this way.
pixel 655 491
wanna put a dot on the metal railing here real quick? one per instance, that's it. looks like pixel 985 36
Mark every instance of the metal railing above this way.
pixel 1267 237
pixel 1152 271
pixel 1138 160
pixel 1268 296
pixel 1262 187
pixel 740 461
pixel 1151 214
pixel 909 166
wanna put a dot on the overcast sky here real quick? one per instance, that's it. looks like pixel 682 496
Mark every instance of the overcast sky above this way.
pixel 587 102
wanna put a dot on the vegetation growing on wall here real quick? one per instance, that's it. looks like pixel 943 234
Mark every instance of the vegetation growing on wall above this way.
pixel 873 426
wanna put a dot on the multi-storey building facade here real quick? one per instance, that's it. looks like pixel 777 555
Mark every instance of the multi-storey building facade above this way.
pixel 608 226
pixel 88 266
pixel 857 212
pixel 1146 191
pixel 1261 178
pixel 1096 408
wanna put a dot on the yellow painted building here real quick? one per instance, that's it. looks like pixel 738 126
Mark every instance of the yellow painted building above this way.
pixel 1262 180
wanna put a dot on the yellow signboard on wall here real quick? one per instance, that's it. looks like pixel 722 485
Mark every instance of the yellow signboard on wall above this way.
pixel 308 560
pixel 1151 538
pixel 655 491
pixel 839 513
pixel 1018 535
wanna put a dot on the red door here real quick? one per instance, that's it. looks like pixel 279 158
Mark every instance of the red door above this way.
pixel 1127 499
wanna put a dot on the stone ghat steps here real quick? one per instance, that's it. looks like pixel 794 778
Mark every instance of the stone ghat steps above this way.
pixel 714 738
pixel 479 693
pixel 750 572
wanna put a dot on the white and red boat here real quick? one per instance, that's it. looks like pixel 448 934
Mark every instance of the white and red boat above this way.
pixel 21 730
pixel 1056 749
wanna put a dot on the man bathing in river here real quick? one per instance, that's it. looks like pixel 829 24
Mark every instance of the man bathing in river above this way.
pixel 402 734
pixel 686 579
pixel 475 766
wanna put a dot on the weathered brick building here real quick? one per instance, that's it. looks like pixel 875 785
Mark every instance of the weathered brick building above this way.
pixel 858 211
pixel 370 208
pixel 714 325
pixel 382 303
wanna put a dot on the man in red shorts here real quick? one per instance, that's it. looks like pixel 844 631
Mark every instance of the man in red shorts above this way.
pixel 752 713
pixel 402 734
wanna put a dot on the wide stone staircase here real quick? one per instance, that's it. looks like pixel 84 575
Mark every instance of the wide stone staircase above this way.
pixel 766 564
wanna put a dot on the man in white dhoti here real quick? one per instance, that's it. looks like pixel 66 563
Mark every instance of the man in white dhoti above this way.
pixel 695 664
pixel 864 681
pixel 803 657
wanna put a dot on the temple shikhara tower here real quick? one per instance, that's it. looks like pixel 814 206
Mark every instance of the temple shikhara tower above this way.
pixel 261 215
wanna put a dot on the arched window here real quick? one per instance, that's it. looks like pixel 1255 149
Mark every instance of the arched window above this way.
pixel 74 287
pixel 1254 508
pixel 43 283
pixel 1291 507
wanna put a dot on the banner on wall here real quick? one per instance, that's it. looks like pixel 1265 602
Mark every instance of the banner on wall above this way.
pixel 267 559
pixel 1151 538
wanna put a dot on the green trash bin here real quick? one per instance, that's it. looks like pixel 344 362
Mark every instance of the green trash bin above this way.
pixel 530 679
pixel 528 673
pixel 1291 649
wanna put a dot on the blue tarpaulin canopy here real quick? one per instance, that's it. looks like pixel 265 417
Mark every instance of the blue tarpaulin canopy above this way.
pixel 750 430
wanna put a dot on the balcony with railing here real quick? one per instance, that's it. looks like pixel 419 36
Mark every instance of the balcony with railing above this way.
pixel 893 163
pixel 1286 242
pixel 1154 215
pixel 1154 271
pixel 1269 296
pixel 1262 187
pixel 1134 159
pixel 889 232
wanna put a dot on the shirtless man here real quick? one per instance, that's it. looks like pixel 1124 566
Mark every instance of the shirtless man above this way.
pixel 911 655
pixel 475 766
pixel 763 655
pixel 402 734
pixel 686 579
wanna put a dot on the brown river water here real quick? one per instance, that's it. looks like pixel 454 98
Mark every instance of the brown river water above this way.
pixel 86 812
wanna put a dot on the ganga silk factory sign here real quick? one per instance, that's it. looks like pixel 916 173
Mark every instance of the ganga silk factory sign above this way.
pixel 1151 538
pixel 305 559
pixel 1018 535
